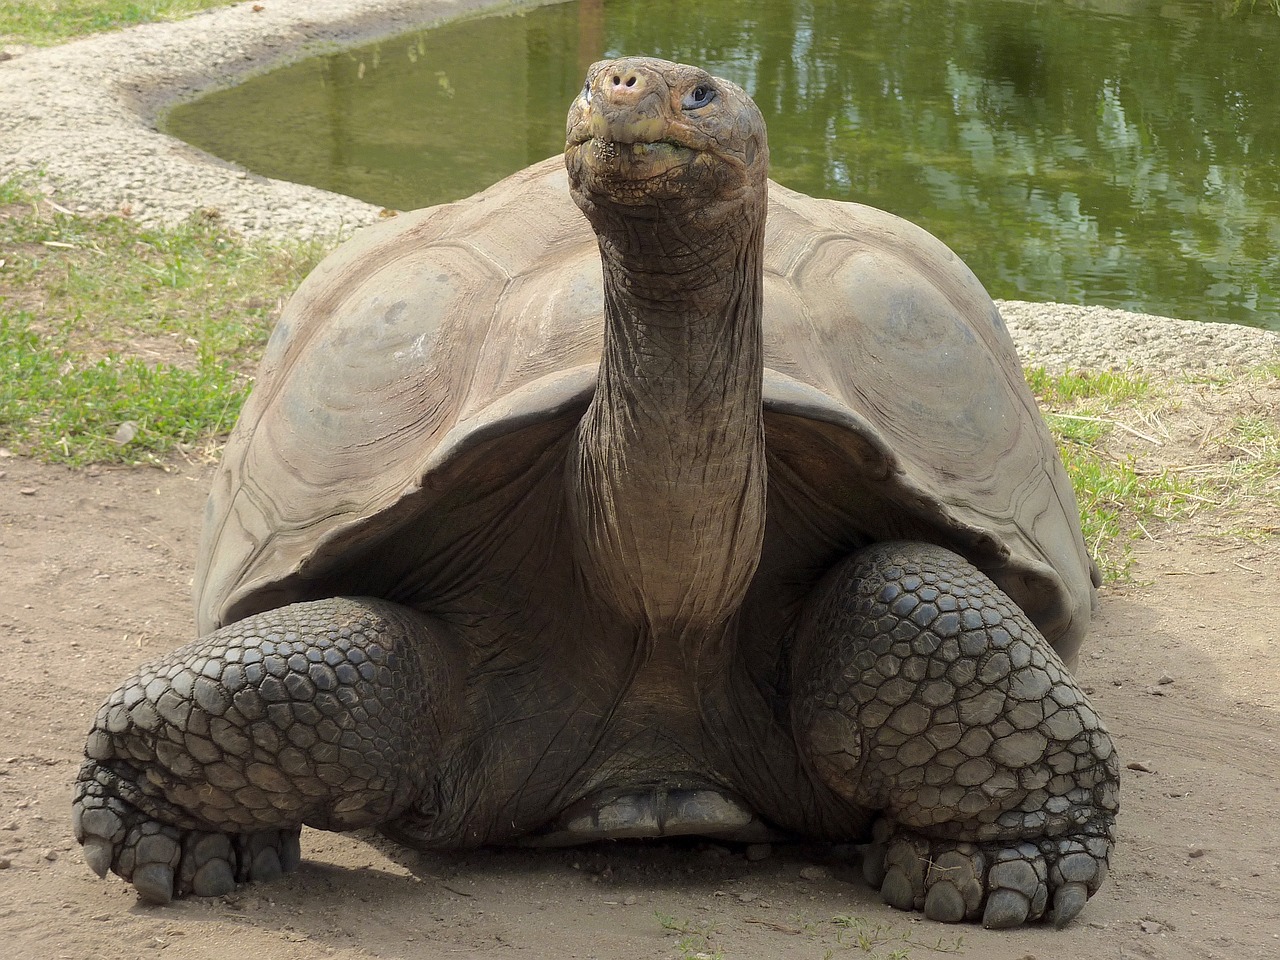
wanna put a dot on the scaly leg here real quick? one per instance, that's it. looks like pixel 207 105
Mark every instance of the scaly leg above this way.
pixel 203 767
pixel 923 692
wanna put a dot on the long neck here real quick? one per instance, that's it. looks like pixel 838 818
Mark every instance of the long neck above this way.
pixel 669 476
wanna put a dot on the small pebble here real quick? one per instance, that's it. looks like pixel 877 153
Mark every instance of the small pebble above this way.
pixel 747 896
pixel 51 855
pixel 5 863
pixel 1195 851
pixel 759 851
pixel 1139 766
pixel 1155 691
pixel 1150 926
pixel 1165 680
pixel 630 900
pixel 814 873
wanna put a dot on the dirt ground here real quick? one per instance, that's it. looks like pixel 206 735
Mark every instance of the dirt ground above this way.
pixel 1183 663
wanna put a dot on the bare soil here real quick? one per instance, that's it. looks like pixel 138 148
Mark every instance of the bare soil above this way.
pixel 1183 663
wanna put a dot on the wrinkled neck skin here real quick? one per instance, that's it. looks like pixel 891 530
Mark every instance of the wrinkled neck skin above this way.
pixel 667 477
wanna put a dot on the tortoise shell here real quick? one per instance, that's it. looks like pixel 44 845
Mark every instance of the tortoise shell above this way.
pixel 471 333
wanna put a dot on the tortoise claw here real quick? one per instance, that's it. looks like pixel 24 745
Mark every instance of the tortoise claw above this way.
pixel 98 854
pixel 154 883
pixel 897 889
pixel 1005 908
pixel 1068 902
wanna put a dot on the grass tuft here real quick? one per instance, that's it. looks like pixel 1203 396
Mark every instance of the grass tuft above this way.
pixel 1119 499
pixel 122 343
pixel 1076 386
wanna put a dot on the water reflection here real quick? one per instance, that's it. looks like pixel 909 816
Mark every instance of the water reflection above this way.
pixel 1121 153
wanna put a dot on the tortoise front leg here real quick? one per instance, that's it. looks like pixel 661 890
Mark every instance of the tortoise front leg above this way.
pixel 202 768
pixel 923 692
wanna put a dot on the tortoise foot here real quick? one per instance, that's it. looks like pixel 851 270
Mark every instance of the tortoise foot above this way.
pixel 163 861
pixel 201 770
pixel 924 694
pixel 1002 885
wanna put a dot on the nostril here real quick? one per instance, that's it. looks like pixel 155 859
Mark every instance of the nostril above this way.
pixel 628 81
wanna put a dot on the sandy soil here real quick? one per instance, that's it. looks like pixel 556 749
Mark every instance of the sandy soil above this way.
pixel 95 577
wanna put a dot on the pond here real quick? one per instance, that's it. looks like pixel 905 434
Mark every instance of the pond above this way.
pixel 1115 152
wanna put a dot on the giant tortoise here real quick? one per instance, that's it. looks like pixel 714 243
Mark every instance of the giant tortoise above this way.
pixel 761 536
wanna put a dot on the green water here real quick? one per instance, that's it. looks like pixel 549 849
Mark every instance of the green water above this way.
pixel 1116 152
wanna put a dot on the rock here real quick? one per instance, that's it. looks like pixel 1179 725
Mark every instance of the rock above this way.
pixel 1150 926
pixel 125 433
pixel 747 896
pixel 1165 679
pixel 759 851
pixel 1195 851
pixel 1139 766
pixel 814 873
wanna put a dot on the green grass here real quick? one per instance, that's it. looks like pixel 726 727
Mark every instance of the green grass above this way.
pixel 53 21
pixel 111 331
pixel 1075 386
pixel 1119 501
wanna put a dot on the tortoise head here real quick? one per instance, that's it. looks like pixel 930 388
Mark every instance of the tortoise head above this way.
pixel 647 132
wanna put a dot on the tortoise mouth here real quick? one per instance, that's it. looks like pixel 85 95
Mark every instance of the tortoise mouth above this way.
pixel 605 150
pixel 616 161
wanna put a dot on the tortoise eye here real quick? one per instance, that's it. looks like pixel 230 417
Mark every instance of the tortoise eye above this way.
pixel 699 96
pixel 586 91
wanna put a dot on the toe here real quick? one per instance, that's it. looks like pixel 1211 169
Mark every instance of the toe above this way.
pixel 154 882
pixel 904 865
pixel 944 903
pixel 897 891
pixel 267 855
pixel 1068 901
pixel 266 865
pixel 956 884
pixel 1005 908
pixel 99 853
pixel 208 865
pixel 214 879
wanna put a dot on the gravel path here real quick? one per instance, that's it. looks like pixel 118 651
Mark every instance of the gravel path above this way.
pixel 84 114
